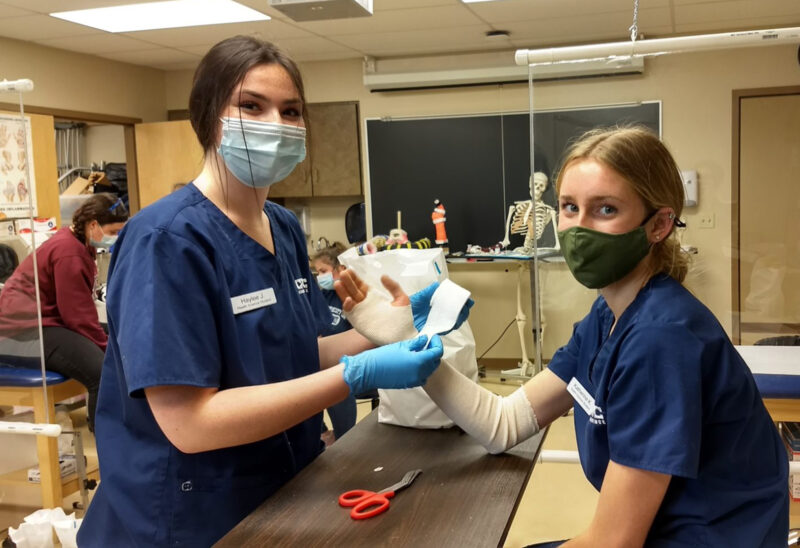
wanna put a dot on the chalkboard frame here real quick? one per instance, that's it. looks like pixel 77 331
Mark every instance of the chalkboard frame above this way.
pixel 476 164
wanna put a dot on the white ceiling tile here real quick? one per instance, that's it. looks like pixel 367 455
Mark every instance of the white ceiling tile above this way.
pixel 733 25
pixel 315 44
pixel 303 48
pixel 381 5
pixel 94 43
pixel 50 6
pixel 400 27
pixel 612 26
pixel 717 13
pixel 152 57
pixel 211 34
pixel 40 27
pixel 685 2
pixel 515 10
pixel 397 20
pixel 11 11
pixel 424 41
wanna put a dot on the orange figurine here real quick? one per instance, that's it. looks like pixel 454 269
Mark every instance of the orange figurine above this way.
pixel 438 219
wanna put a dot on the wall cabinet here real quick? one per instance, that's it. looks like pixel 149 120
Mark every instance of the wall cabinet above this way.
pixel 333 160
pixel 168 153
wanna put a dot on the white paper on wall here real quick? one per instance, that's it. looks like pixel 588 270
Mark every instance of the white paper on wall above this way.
pixel 16 150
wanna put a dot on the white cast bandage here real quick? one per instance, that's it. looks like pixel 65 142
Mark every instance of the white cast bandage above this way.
pixel 498 423
pixel 382 323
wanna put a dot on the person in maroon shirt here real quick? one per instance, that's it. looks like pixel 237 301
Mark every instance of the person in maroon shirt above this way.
pixel 74 341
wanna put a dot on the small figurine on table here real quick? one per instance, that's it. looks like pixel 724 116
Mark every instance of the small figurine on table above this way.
pixel 438 218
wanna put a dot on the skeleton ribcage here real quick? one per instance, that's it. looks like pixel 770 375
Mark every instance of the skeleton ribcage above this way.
pixel 523 220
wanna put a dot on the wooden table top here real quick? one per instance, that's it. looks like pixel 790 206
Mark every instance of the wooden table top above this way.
pixel 464 496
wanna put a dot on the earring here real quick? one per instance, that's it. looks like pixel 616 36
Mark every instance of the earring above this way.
pixel 658 238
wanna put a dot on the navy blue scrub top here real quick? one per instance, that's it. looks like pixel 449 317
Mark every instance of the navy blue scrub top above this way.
pixel 672 395
pixel 180 268
pixel 337 323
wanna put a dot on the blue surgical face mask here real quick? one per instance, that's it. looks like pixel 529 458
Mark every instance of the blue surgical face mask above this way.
pixel 325 281
pixel 105 242
pixel 261 153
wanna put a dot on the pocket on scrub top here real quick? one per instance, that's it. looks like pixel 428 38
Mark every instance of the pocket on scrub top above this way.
pixel 204 508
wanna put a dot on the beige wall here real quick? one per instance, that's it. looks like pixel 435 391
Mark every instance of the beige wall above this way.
pixel 104 143
pixel 695 90
pixel 73 81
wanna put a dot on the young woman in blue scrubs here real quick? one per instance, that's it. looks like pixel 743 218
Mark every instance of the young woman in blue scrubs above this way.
pixel 214 380
pixel 670 426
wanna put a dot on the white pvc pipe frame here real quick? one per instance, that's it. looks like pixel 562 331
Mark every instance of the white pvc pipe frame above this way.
pixel 657 46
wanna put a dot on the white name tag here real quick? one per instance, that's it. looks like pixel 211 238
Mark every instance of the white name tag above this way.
pixel 581 396
pixel 254 300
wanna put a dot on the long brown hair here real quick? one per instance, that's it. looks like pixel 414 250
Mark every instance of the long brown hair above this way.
pixel 640 157
pixel 220 71
pixel 103 208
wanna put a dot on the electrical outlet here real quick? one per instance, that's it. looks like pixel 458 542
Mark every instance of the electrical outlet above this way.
pixel 707 220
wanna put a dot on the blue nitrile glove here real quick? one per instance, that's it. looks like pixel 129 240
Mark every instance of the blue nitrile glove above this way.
pixel 421 307
pixel 400 365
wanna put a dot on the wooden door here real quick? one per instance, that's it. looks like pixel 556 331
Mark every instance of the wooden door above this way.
pixel 768 266
pixel 166 153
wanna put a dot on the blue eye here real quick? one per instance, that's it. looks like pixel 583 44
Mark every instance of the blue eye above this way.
pixel 569 207
pixel 607 210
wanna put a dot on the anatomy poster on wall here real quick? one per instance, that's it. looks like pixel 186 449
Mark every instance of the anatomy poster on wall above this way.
pixel 16 148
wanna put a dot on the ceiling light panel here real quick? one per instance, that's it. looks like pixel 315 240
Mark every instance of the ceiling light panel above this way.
pixel 163 15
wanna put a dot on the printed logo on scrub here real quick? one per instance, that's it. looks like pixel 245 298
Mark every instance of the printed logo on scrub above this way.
pixel 586 401
pixel 302 285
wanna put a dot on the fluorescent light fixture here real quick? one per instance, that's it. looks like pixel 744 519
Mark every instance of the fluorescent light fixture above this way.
pixel 163 15
pixel 476 1
pixel 657 46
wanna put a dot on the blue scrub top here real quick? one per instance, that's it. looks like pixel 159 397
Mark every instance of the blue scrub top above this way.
pixel 178 264
pixel 337 323
pixel 673 396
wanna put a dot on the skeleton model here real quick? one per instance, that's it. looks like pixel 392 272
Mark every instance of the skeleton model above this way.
pixel 531 217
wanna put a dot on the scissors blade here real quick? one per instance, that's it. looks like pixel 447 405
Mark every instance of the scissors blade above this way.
pixel 405 482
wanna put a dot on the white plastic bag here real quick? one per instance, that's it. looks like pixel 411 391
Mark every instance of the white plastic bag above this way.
pixel 415 269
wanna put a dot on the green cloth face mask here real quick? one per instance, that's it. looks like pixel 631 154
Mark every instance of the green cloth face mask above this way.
pixel 598 259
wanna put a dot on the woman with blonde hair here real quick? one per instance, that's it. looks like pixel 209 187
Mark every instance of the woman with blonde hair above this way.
pixel 670 426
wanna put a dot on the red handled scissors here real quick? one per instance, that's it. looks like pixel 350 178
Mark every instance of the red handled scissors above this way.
pixel 369 503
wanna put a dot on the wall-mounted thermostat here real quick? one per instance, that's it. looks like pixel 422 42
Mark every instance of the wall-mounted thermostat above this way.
pixel 689 187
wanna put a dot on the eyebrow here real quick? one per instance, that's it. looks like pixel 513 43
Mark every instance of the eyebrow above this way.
pixel 592 199
pixel 292 101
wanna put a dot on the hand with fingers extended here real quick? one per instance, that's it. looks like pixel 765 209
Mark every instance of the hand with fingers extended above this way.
pixel 379 319
pixel 405 364
pixel 421 307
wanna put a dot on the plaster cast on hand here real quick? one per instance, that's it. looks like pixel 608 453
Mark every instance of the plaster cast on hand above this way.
pixel 381 322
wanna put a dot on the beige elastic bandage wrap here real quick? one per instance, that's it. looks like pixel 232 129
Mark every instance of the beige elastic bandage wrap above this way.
pixel 382 323
pixel 498 423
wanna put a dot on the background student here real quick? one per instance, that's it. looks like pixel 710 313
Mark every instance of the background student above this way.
pixel 74 341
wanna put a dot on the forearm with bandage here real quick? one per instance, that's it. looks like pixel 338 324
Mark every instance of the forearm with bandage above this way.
pixel 498 423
